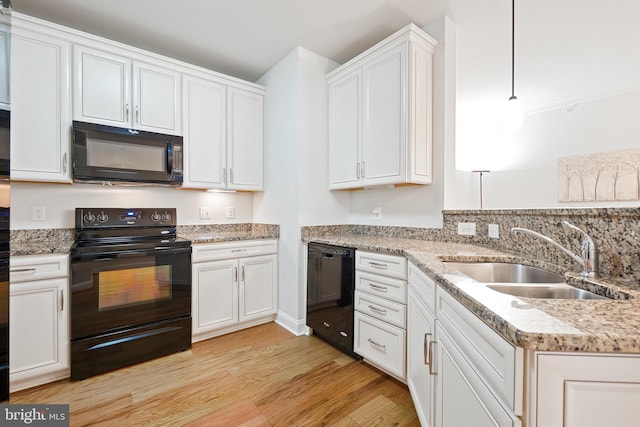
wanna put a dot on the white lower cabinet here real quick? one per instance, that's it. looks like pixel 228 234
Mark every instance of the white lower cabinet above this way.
pixel 234 286
pixel 585 390
pixel 380 320
pixel 38 320
pixel 461 372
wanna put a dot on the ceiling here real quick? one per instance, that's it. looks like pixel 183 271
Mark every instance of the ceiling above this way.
pixel 566 51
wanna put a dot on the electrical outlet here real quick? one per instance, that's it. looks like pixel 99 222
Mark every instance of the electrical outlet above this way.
pixel 467 228
pixel 494 231
pixel 231 212
pixel 39 213
pixel 377 213
pixel 205 212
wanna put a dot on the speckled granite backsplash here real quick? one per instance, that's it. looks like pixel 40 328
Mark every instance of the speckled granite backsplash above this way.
pixel 616 231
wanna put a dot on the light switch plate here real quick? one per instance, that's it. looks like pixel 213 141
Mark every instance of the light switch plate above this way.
pixel 39 213
pixel 467 228
pixel 377 213
pixel 231 212
pixel 494 231
pixel 205 212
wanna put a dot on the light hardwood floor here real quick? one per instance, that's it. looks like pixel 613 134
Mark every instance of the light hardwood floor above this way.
pixel 262 376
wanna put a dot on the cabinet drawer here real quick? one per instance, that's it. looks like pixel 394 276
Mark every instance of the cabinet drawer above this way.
pixel 384 287
pixel 423 286
pixel 216 251
pixel 380 308
pixel 380 343
pixel 387 265
pixel 37 267
pixel 498 363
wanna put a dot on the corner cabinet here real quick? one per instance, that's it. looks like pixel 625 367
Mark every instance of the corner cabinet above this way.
pixel 380 114
pixel 116 90
pixel 38 320
pixel 223 132
pixel 40 105
pixel 235 286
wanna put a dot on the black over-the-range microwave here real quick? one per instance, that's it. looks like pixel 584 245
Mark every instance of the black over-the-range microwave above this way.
pixel 111 154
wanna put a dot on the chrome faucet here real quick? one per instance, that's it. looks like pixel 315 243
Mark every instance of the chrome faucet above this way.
pixel 589 250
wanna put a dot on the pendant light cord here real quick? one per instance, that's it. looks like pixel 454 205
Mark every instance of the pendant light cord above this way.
pixel 513 48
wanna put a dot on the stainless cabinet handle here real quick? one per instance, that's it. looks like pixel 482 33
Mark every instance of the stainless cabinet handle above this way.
pixel 137 114
pixel 363 169
pixel 61 300
pixel 64 163
pixel 378 265
pixel 377 287
pixel 224 175
pixel 358 170
pixel 23 270
pixel 326 325
pixel 235 274
pixel 243 273
pixel 373 343
pixel 126 112
pixel 238 250
pixel 430 359
pixel 425 346
pixel 377 310
pixel 230 176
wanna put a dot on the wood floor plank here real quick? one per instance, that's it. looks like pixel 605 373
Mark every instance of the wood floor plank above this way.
pixel 262 376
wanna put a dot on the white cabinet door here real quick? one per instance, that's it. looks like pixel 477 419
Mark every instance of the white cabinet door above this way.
pixel 420 335
pixel 39 341
pixel 258 286
pixel 102 87
pixel 462 398
pixel 586 390
pixel 215 295
pixel 205 147
pixel 115 90
pixel 384 79
pixel 245 140
pixel 157 100
pixel 5 55
pixel 40 98
pixel 345 130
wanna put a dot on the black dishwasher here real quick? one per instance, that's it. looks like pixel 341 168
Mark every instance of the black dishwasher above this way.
pixel 330 285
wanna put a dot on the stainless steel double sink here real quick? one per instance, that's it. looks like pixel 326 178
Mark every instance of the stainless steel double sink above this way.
pixel 521 280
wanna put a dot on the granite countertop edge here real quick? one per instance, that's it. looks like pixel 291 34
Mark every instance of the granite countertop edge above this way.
pixel 608 326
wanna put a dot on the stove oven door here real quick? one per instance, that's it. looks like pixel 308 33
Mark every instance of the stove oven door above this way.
pixel 116 291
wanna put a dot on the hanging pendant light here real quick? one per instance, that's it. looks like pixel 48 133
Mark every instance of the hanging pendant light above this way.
pixel 514 116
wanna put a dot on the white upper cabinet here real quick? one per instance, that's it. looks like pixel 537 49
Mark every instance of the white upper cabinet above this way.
pixel 205 148
pixel 223 131
pixel 41 106
pixel 245 139
pixel 116 90
pixel 5 36
pixel 380 108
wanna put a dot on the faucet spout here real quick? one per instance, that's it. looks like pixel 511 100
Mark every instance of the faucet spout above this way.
pixel 589 250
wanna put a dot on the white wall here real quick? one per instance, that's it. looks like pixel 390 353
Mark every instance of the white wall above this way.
pixel 295 170
pixel 60 200
pixel 523 164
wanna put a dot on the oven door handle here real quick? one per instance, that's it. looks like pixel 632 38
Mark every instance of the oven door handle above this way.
pixel 164 250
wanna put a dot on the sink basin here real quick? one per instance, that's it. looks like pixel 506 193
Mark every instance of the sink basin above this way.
pixel 556 291
pixel 501 272
pixel 521 280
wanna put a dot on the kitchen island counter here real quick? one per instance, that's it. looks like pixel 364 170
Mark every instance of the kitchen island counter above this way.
pixel 606 325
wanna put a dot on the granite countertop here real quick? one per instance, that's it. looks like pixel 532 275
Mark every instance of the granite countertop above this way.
pixel 60 240
pixel 607 325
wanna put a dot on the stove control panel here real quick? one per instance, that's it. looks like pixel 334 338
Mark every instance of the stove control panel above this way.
pixel 115 217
